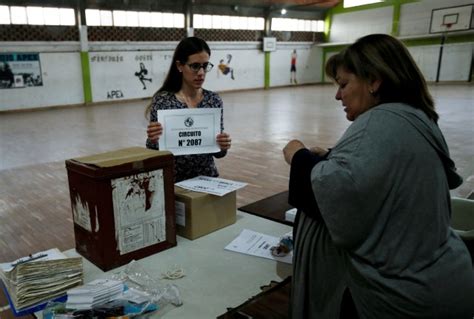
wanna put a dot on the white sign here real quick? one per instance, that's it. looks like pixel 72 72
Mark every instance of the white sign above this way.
pixel 211 185
pixel 257 244
pixel 139 210
pixel 190 131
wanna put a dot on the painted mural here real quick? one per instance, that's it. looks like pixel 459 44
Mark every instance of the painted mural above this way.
pixel 19 70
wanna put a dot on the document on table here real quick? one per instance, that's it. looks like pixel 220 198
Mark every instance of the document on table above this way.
pixel 257 244
pixel 34 280
pixel 210 185
pixel 190 131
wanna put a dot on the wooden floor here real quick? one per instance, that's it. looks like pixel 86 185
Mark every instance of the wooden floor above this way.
pixel 35 211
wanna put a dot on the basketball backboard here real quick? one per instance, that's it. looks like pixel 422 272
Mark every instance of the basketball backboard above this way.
pixel 451 19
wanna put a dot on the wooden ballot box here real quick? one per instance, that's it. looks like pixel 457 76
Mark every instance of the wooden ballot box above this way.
pixel 122 205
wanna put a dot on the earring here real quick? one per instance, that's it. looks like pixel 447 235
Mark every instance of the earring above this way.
pixel 371 91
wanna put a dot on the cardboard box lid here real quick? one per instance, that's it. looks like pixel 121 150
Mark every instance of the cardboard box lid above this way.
pixel 119 157
pixel 189 193
pixel 119 162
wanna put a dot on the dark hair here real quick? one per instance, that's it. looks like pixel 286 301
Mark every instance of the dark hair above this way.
pixel 174 78
pixel 185 48
pixel 382 57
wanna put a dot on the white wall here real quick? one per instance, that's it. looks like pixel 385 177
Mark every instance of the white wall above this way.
pixel 426 57
pixel 113 74
pixel 113 68
pixel 247 66
pixel 308 64
pixel 455 63
pixel 348 27
pixel 415 17
pixel 62 84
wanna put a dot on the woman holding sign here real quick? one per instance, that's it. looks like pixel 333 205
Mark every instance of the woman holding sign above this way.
pixel 182 89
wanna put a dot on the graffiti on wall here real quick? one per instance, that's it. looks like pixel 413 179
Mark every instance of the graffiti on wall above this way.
pixel 224 67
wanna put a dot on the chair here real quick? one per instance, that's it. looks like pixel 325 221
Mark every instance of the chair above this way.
pixel 462 221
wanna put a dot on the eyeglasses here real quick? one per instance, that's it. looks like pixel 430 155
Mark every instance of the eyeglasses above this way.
pixel 195 67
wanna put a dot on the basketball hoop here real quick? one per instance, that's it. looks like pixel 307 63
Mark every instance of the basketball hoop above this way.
pixel 448 26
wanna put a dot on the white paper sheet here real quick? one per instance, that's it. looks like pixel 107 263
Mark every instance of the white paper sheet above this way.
pixel 257 244
pixel 190 131
pixel 211 185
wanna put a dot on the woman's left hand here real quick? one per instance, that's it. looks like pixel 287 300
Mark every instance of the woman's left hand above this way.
pixel 224 141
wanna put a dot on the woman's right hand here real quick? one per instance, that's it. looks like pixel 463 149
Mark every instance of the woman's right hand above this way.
pixel 154 131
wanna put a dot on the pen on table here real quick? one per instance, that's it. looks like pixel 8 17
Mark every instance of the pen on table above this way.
pixel 31 258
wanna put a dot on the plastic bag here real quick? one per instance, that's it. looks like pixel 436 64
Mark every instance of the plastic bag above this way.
pixel 135 276
pixel 143 294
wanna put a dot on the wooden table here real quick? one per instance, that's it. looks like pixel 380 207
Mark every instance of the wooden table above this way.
pixel 273 208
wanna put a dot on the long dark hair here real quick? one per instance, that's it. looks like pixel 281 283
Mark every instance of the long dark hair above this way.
pixel 185 48
pixel 382 57
pixel 174 78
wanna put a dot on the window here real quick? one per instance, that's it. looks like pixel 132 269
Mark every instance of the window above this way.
pixel 178 20
pixel 4 15
pixel 132 18
pixel 37 15
pixel 92 17
pixel 120 18
pixel 168 21
pixel 51 16
pixel 157 19
pixel 355 3
pixel 205 21
pixel 285 24
pixel 18 15
pixel 144 19
pixel 123 18
pixel 106 18
pixel 67 16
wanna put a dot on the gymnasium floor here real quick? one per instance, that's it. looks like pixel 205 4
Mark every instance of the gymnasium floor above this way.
pixel 35 212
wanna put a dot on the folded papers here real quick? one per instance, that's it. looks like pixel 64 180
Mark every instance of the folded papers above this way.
pixel 39 278
pixel 94 293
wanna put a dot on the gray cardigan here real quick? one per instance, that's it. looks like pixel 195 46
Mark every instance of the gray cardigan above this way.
pixel 383 194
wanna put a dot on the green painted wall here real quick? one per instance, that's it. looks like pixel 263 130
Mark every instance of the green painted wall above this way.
pixel 267 70
pixel 86 77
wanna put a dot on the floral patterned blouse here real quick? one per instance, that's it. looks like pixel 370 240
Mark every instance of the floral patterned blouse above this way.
pixel 188 166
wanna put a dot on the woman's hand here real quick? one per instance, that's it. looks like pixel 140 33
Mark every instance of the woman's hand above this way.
pixel 291 148
pixel 224 141
pixel 154 131
pixel 321 152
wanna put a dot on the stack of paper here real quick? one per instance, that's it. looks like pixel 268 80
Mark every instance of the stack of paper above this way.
pixel 36 279
pixel 94 293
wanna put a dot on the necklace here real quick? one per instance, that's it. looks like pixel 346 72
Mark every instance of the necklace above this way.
pixel 189 101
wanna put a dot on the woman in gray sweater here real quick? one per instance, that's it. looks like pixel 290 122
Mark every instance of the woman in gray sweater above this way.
pixel 373 236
